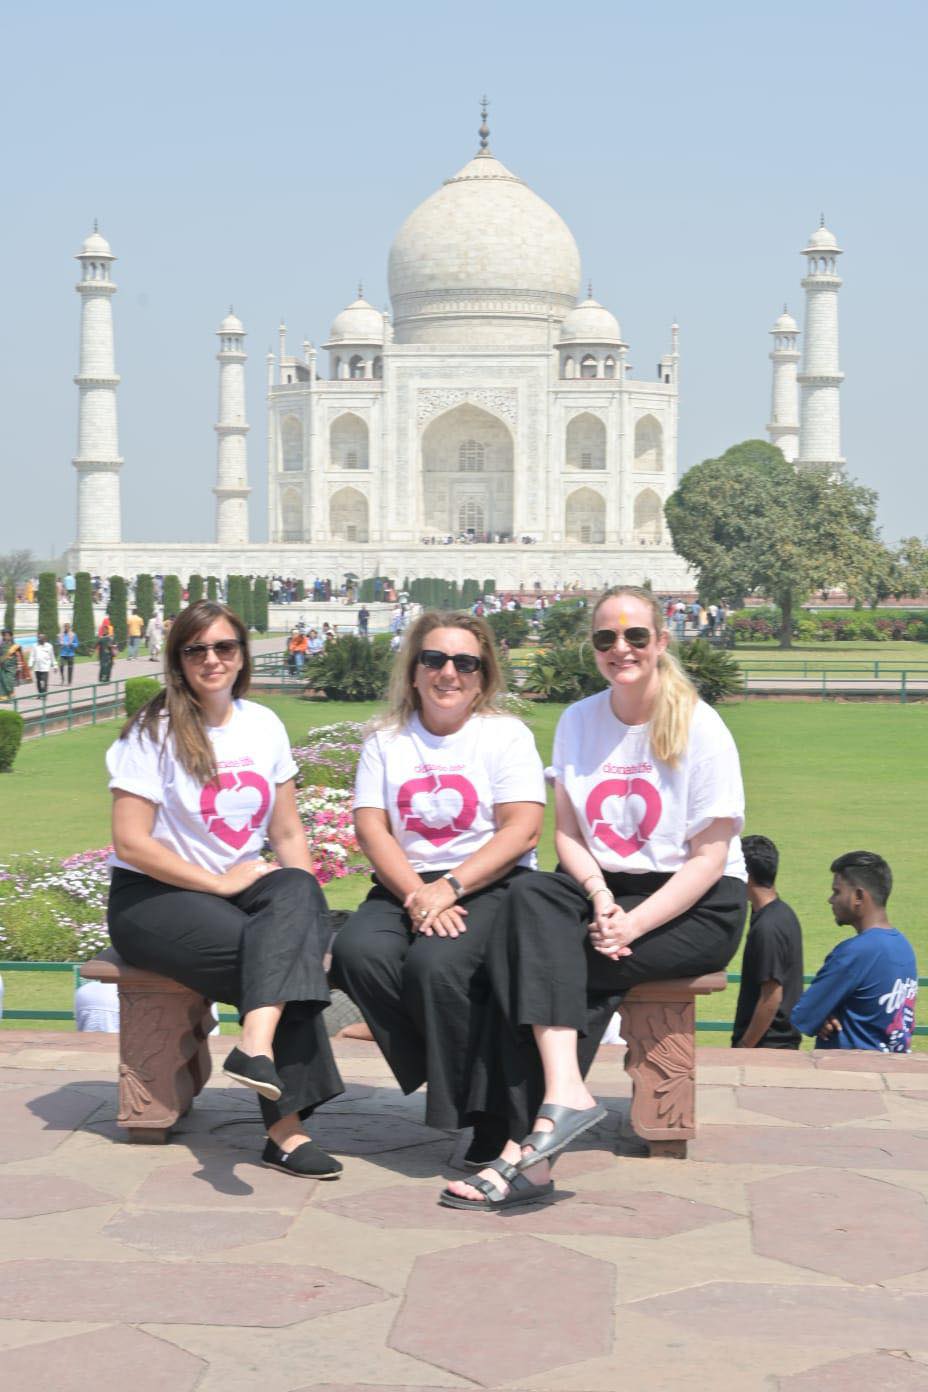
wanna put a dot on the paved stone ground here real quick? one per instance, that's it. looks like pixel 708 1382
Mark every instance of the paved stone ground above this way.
pixel 789 1253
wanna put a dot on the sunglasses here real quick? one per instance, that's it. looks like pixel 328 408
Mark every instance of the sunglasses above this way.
pixel 606 638
pixel 464 663
pixel 225 650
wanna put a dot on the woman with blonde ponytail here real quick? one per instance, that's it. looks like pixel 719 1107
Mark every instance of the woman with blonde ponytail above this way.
pixel 650 884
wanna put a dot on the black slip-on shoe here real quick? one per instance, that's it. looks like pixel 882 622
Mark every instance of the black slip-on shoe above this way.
pixel 258 1073
pixel 309 1160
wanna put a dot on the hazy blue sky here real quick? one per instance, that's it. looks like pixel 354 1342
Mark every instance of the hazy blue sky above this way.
pixel 266 155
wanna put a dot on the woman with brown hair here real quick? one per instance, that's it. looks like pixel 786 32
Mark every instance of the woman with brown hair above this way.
pixel 449 801
pixel 200 777
pixel 650 884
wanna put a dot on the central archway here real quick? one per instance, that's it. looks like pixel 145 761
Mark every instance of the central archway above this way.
pixel 467 474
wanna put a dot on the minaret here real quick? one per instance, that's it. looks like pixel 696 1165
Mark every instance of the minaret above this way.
pixel 821 377
pixel 784 404
pixel 232 456
pixel 97 462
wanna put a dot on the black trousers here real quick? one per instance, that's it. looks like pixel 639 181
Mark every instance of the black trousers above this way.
pixel 544 971
pixel 41 682
pixel 259 948
pixel 67 669
pixel 424 998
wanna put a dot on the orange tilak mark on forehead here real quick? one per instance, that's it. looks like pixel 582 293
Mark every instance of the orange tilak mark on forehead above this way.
pixel 623 620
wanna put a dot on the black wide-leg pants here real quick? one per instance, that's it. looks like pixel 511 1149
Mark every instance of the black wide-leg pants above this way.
pixel 544 971
pixel 261 947
pixel 424 998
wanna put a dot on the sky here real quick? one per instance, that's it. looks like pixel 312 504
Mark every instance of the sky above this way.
pixel 236 153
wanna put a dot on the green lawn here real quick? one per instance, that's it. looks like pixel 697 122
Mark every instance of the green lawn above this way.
pixel 821 778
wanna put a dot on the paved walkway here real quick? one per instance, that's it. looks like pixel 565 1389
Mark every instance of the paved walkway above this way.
pixel 788 1254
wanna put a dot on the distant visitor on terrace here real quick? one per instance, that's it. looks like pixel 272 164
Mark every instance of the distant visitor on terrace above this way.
pixel 200 777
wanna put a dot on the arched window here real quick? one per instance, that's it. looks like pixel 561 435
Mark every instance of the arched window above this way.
pixel 348 515
pixel 378 369
pixel 471 456
pixel 570 367
pixel 649 445
pixel 356 368
pixel 648 516
pixel 609 367
pixel 291 444
pixel 585 517
pixel 348 442
pixel 585 442
pixel 291 515
pixel 588 366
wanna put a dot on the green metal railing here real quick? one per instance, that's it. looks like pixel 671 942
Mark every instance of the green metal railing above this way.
pixel 838 681
pixel 63 707
pixel 734 979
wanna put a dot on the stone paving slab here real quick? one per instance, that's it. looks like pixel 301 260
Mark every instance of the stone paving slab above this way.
pixel 790 1249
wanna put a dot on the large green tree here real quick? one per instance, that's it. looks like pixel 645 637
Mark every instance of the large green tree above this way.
pixel 15 568
pixel 912 561
pixel 749 522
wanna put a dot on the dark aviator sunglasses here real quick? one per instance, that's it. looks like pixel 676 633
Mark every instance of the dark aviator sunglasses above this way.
pixel 225 650
pixel 464 663
pixel 606 638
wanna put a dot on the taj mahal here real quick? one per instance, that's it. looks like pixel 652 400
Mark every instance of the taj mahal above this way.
pixel 489 426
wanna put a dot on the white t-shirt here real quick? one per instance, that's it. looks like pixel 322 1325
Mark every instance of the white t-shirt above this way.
pixel 440 791
pixel 636 813
pixel 214 827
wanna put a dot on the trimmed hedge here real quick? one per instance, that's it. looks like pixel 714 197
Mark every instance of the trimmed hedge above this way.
pixel 212 588
pixel 48 606
pixel 171 597
pixel 259 602
pixel 140 690
pixel 145 596
pixel 82 617
pixel 118 610
pixel 11 737
pixel 831 626
pixel 194 589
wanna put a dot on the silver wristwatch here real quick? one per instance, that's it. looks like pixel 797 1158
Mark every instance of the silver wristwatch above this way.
pixel 455 884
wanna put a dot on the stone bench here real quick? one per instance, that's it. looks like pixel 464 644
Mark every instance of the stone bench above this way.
pixel 659 1028
pixel 164 1059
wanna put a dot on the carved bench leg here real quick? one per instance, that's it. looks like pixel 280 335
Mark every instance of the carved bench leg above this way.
pixel 661 1062
pixel 161 1063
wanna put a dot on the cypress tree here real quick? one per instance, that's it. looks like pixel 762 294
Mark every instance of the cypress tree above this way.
pixel 117 610
pixel 300 591
pixel 248 604
pixel 171 595
pixel 9 610
pixel 194 589
pixel 260 604
pixel 489 587
pixel 82 617
pixel 234 595
pixel 212 588
pixel 145 596
pixel 48 606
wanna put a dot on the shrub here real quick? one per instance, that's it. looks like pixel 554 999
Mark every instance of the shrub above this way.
pixel 54 911
pixel 194 589
pixel 565 672
pixel 714 673
pixel 117 609
pixel 140 690
pixel 11 737
pixel 510 624
pixel 82 617
pixel 300 591
pixel 351 669
pixel 489 587
pixel 470 593
pixel 48 606
pixel 170 596
pixel 561 622
pixel 145 596
pixel 260 604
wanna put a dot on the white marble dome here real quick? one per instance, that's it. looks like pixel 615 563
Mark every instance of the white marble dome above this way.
pixel 591 322
pixel 360 322
pixel 231 324
pixel 483 260
pixel 785 324
pixel 95 245
pixel 823 239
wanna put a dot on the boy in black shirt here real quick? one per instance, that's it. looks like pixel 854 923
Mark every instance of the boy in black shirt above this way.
pixel 771 970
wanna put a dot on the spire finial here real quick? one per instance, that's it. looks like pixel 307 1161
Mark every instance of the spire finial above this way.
pixel 360 289
pixel 96 227
pixel 484 131
pixel 589 289
pixel 821 219
pixel 785 308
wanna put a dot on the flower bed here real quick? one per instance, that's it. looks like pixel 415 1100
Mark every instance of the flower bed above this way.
pixel 55 911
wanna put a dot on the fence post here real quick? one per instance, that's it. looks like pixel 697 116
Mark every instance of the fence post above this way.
pixel 93 705
pixel 902 691
pixel 824 684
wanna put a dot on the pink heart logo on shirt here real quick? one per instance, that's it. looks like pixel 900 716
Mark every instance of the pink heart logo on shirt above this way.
pixel 648 817
pixel 234 805
pixel 438 807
